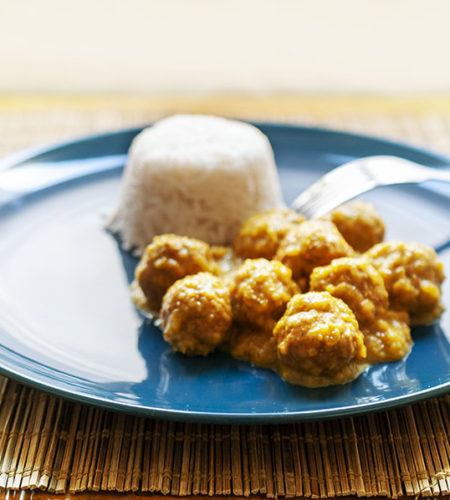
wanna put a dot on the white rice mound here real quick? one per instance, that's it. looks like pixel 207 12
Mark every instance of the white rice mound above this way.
pixel 197 176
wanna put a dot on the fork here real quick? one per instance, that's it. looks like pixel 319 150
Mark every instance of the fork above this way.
pixel 358 176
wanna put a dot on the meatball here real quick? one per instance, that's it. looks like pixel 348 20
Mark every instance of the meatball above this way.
pixel 261 234
pixel 318 341
pixel 260 290
pixel 357 282
pixel 258 347
pixel 359 223
pixel 388 338
pixel 413 275
pixel 313 243
pixel 167 259
pixel 196 314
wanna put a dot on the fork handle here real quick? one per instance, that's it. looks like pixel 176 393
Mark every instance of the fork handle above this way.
pixel 439 175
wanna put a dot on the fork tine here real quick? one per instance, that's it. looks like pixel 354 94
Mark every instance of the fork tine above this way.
pixel 358 176
pixel 336 187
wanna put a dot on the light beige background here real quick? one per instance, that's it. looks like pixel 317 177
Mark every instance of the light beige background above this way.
pixel 198 46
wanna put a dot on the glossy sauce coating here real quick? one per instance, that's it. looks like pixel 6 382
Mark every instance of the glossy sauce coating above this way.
pixel 167 259
pixel 311 244
pixel 319 341
pixel 258 347
pixel 359 223
pixel 318 313
pixel 388 338
pixel 261 235
pixel 196 314
pixel 260 290
pixel 360 285
pixel 413 275
pixel 357 282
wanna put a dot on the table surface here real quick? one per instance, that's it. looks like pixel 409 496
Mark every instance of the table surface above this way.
pixel 27 120
pixel 48 118
pixel 131 496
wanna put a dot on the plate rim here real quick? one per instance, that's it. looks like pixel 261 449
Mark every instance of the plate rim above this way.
pixel 17 159
pixel 20 157
pixel 235 418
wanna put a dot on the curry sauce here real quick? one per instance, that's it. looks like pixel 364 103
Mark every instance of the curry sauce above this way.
pixel 298 297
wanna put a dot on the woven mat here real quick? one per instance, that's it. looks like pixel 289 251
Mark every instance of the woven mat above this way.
pixel 59 446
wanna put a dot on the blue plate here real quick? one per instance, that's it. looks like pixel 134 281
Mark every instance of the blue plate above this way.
pixel 67 324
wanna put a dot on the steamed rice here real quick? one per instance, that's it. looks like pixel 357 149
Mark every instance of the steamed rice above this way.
pixel 198 176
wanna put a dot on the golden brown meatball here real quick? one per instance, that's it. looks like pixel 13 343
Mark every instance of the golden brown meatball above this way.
pixel 359 223
pixel 388 338
pixel 258 347
pixel 357 282
pixel 413 275
pixel 259 291
pixel 319 342
pixel 196 314
pixel 261 234
pixel 167 259
pixel 313 243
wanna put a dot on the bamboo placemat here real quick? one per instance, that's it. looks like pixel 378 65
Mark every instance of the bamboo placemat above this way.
pixel 59 446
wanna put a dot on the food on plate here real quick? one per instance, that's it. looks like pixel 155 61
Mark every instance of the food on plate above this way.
pixel 413 275
pixel 260 290
pixel 311 244
pixel 357 282
pixel 197 176
pixel 196 314
pixel 388 338
pixel 318 341
pixel 167 259
pixel 343 311
pixel 256 346
pixel 226 266
pixel 261 235
pixel 359 223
